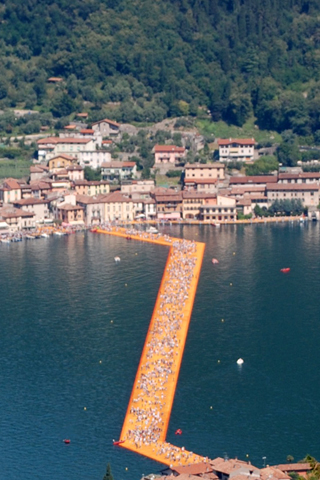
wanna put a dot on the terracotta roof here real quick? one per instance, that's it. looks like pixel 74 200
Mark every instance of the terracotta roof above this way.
pixel 87 131
pixel 239 141
pixel 106 120
pixel 293 176
pixel 118 164
pixel 82 115
pixel 68 207
pixel 30 201
pixel 272 472
pixel 194 469
pixel 40 185
pixel 87 199
pixel 70 127
pixel 293 467
pixel 292 186
pixel 205 165
pixel 57 140
pixel 254 179
pixel 245 189
pixel 14 213
pixel 227 466
pixel 38 169
pixel 117 197
pixel 106 142
pixel 12 183
pixel 195 194
pixel 168 148
pixel 72 168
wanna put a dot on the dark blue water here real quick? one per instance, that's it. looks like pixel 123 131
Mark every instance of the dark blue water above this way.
pixel 72 334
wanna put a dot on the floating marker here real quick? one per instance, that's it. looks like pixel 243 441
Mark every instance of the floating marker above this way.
pixel 230 284
pixel 111 321
pixel 240 361
pixel 125 284
pixel 84 408
pixel 100 361
pixel 222 320
pixel 218 361
pixel 234 253
pixel 126 468
pixel 211 408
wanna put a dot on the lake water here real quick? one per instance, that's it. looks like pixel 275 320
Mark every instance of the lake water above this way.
pixel 72 334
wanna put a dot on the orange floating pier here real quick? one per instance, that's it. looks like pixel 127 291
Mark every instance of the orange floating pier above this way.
pixel 146 422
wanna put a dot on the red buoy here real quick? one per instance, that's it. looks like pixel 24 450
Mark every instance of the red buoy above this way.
pixel 178 432
pixel 66 441
pixel 285 270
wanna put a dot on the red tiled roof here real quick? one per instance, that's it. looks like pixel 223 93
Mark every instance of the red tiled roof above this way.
pixel 69 127
pixel 168 148
pixel 254 179
pixel 64 156
pixel 12 183
pixel 240 141
pixel 118 164
pixel 14 213
pixel 106 142
pixel 56 140
pixel 106 120
pixel 30 201
pixel 194 469
pixel 293 176
pixel 72 168
pixel 82 115
pixel 69 207
pixel 55 79
pixel 293 186
pixel 294 467
pixel 87 131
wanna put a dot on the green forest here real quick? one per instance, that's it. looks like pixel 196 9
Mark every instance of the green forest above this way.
pixel 145 60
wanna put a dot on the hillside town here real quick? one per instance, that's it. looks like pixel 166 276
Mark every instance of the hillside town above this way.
pixel 57 191
pixel 232 469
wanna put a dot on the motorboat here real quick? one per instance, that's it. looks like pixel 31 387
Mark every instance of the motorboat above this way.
pixel 178 432
pixel 152 230
pixel 44 235
pixel 215 261
pixel 30 237
pixel 5 240
pixel 214 224
pixel 285 270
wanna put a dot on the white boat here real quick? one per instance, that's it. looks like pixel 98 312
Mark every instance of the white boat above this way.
pixel 58 233
pixel 44 235
pixel 30 237
pixel 217 225
pixel 117 259
pixel 5 240
pixel 152 230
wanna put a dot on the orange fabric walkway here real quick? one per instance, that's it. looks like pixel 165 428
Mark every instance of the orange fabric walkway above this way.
pixel 146 422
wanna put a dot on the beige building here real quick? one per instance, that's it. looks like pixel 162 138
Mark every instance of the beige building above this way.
pixel 71 214
pixel 75 172
pixel 192 202
pixel 168 154
pixel 37 172
pixel 94 187
pixel 16 218
pixel 137 186
pixel 118 207
pixel 61 161
pixel 300 178
pixel 37 206
pixel 252 181
pixel 203 177
pixel 10 191
pixel 307 193
pixel 236 149
pixel 219 210
pixel 118 171
pixel 51 147
pixel 107 128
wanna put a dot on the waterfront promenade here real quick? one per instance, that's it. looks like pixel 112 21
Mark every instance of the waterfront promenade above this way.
pixel 148 414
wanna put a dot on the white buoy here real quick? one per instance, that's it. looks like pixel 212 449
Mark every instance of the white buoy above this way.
pixel 117 259
pixel 240 361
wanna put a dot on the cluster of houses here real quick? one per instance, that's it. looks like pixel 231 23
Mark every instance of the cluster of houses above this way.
pixel 231 469
pixel 57 189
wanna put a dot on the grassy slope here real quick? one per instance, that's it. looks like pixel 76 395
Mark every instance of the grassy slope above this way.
pixel 223 130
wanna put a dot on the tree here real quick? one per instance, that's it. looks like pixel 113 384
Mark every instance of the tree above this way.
pixel 91 174
pixel 108 475
pixel 288 154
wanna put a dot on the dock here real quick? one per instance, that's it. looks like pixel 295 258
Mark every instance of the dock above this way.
pixel 148 414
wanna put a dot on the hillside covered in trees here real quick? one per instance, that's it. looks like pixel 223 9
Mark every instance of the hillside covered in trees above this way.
pixel 144 60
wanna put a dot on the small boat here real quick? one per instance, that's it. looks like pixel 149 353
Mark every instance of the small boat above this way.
pixel 285 270
pixel 6 240
pixel 178 432
pixel 117 259
pixel 215 261
pixel 66 441
pixel 217 225
pixel 30 237
pixel 44 235
pixel 58 233
pixel 152 230
pixel 118 442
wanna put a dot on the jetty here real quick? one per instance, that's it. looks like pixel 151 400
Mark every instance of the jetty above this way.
pixel 148 414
